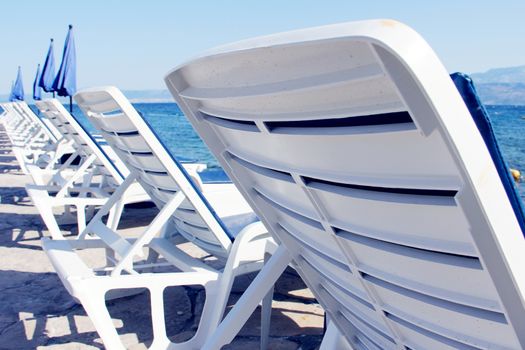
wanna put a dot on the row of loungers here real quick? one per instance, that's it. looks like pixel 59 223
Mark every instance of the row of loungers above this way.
pixel 211 215
pixel 357 160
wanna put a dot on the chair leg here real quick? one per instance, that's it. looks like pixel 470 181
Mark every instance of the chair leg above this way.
pixel 81 218
pixel 110 257
pixel 266 313
pixel 153 258
pixel 160 339
pixel 21 160
pixel 46 212
pixel 239 314
pixel 114 215
pixel 90 212
pixel 68 214
pixel 95 306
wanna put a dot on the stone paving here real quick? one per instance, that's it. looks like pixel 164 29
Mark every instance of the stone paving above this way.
pixel 37 312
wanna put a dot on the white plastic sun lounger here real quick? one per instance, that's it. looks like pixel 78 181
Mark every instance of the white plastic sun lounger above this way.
pixel 44 146
pixel 217 220
pixel 78 189
pixel 55 113
pixel 28 139
pixel 35 140
pixel 356 150
pixel 13 122
pixel 52 132
pixel 23 119
pixel 58 174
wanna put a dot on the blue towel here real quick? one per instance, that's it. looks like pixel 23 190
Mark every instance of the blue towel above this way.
pixel 468 92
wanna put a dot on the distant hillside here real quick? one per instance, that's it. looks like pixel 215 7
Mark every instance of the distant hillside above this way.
pixel 501 93
pixel 509 75
pixel 501 86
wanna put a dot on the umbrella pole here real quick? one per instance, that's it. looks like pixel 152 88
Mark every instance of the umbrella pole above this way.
pixel 71 104
pixel 53 94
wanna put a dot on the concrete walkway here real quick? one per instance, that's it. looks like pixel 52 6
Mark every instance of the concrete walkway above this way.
pixel 37 312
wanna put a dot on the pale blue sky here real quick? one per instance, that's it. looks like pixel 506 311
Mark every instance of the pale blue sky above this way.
pixel 132 44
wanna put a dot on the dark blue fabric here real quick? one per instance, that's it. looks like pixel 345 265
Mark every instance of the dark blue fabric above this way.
pixel 65 83
pixel 48 71
pixel 18 88
pixel 37 91
pixel 468 92
pixel 11 95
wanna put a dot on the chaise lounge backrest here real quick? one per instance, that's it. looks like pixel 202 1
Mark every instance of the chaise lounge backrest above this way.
pixel 356 150
pixel 157 171
pixel 84 143
pixel 53 119
pixel 51 132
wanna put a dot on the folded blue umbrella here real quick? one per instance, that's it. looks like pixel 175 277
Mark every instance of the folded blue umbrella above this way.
pixel 11 95
pixel 48 71
pixel 65 83
pixel 37 91
pixel 18 88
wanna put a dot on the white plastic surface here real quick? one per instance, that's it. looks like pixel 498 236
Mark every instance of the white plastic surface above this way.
pixel 353 146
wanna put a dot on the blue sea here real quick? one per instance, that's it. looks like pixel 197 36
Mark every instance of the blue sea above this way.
pixel 175 131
